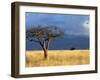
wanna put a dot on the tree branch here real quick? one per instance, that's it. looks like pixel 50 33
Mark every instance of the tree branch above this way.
pixel 34 40
pixel 47 44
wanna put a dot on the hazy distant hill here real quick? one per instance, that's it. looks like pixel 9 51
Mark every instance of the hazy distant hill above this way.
pixel 66 42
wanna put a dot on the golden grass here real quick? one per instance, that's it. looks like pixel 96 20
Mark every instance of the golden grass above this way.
pixel 57 57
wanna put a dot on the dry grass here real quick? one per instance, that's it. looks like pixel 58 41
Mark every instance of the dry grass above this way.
pixel 57 58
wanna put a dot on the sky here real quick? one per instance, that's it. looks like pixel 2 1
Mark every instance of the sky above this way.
pixel 72 24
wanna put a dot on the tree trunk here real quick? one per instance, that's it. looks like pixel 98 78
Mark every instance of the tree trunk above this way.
pixel 45 48
pixel 45 53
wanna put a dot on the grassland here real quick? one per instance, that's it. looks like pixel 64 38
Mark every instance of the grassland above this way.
pixel 57 57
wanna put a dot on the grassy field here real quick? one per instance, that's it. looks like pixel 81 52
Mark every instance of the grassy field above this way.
pixel 57 58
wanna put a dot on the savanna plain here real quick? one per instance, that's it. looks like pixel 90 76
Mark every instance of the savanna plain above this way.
pixel 35 58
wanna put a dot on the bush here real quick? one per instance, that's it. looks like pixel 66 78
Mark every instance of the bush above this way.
pixel 72 48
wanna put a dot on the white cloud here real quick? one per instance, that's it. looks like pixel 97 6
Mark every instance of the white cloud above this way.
pixel 86 25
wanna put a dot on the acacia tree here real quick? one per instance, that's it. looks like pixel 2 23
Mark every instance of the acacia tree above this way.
pixel 43 36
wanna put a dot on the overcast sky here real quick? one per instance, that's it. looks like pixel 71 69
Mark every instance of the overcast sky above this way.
pixel 72 24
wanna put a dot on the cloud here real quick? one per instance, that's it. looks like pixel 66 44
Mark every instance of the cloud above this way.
pixel 86 25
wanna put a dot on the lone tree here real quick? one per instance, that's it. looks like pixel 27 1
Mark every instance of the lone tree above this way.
pixel 43 36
